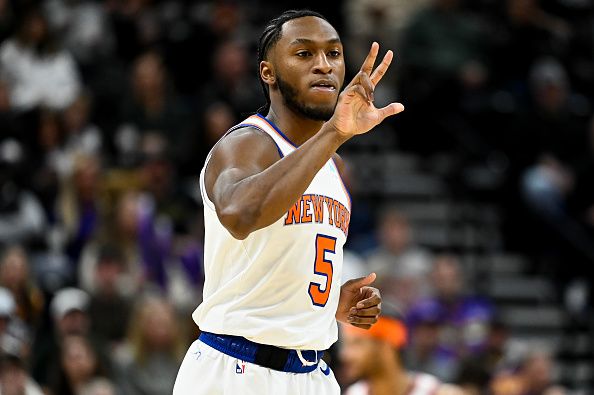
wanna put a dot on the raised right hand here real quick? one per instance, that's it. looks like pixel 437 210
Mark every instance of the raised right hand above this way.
pixel 355 112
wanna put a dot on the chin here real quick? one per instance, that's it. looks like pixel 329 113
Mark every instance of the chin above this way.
pixel 319 113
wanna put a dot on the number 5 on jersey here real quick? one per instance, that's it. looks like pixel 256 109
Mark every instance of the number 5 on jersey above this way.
pixel 323 267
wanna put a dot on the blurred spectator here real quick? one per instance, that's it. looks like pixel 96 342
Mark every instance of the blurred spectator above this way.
pixel 37 72
pixel 442 43
pixel 424 352
pixel 557 146
pixel 155 349
pixel 218 117
pixel 225 19
pixel 135 25
pixel 78 366
pixel 401 265
pixel 443 54
pixel 534 376
pixel 78 208
pixel 234 83
pixel 383 21
pixel 466 317
pixel 108 303
pixel 165 224
pixel 83 28
pixel 52 267
pixel 159 178
pixel 69 311
pixel 22 219
pixel 15 276
pixel 121 228
pixel 373 359
pixel 50 163
pixel 462 320
pixel 81 136
pixel 475 372
pixel 14 379
pixel 14 335
pixel 222 101
pixel 526 33
pixel 153 107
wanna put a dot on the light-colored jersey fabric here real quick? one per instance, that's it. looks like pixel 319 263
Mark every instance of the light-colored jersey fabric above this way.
pixel 206 371
pixel 280 285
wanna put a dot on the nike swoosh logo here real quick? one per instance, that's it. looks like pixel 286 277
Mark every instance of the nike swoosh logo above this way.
pixel 325 371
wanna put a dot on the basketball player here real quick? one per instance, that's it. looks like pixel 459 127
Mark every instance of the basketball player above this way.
pixel 276 219
pixel 374 358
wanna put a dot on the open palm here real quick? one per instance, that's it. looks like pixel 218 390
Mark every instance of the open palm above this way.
pixel 355 112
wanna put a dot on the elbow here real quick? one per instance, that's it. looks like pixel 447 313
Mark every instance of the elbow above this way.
pixel 237 221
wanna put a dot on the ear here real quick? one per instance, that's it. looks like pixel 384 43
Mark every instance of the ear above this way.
pixel 267 73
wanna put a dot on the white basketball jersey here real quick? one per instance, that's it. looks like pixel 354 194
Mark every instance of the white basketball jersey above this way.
pixel 280 285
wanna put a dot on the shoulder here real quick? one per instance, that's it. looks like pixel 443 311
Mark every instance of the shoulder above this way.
pixel 243 151
pixel 248 141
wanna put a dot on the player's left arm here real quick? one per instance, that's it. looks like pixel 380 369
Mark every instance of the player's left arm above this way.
pixel 359 304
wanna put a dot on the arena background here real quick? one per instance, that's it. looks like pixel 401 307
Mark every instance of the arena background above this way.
pixel 482 192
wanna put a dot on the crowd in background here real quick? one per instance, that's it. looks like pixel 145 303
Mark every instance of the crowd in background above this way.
pixel 109 107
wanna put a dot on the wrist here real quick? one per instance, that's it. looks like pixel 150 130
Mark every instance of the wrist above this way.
pixel 334 134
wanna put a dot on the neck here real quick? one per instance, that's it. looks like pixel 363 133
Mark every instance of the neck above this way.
pixel 295 126
pixel 390 380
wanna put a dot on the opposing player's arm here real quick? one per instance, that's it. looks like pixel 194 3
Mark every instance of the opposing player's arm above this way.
pixel 252 187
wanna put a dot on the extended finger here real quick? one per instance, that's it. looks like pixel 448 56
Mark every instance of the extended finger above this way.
pixel 389 110
pixel 380 70
pixel 374 300
pixel 369 61
pixel 363 320
pixel 368 312
pixel 357 283
pixel 366 83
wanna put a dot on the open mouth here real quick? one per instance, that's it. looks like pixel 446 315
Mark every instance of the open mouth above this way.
pixel 325 86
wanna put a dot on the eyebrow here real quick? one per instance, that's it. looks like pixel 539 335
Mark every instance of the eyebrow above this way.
pixel 334 40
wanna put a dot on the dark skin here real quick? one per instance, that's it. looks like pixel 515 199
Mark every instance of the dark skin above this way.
pixel 253 190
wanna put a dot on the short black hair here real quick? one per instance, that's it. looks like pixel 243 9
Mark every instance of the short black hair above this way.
pixel 271 35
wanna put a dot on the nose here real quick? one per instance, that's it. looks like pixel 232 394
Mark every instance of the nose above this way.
pixel 322 66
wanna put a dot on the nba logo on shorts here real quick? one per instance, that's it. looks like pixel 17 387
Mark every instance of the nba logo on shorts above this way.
pixel 197 353
pixel 240 369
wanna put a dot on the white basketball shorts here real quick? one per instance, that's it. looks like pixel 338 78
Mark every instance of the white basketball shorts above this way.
pixel 206 371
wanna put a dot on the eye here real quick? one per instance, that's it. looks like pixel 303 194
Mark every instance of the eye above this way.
pixel 303 53
pixel 334 53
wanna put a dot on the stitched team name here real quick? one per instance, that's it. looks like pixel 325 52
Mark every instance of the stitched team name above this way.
pixel 310 208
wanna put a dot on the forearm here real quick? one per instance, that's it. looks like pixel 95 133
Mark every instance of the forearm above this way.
pixel 261 199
